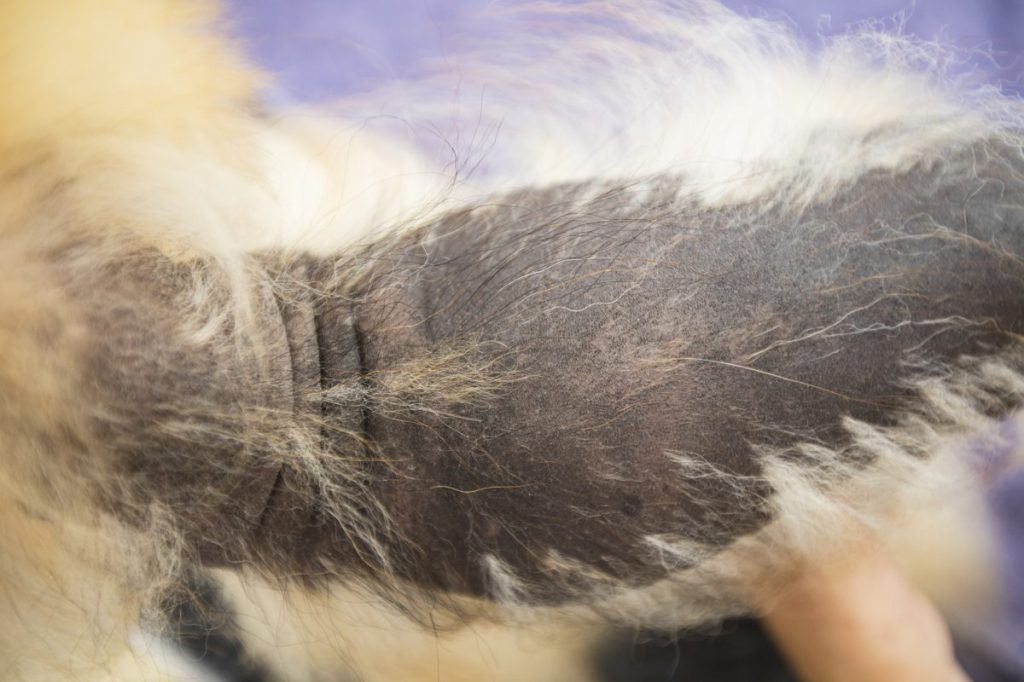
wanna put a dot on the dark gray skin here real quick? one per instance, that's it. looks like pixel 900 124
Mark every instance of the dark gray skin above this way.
pixel 615 329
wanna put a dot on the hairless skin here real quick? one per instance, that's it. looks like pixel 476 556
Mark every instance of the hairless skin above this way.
pixel 523 377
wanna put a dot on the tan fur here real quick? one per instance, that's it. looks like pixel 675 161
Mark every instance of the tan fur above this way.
pixel 78 71
pixel 313 634
pixel 87 87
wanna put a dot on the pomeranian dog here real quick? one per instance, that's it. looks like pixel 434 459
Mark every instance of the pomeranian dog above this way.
pixel 621 322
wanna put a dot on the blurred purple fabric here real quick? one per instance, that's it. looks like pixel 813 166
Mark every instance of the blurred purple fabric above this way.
pixel 323 49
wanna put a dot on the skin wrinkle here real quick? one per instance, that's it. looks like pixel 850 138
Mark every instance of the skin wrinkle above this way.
pixel 291 508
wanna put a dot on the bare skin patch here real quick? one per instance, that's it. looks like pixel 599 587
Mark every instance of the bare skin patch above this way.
pixel 561 378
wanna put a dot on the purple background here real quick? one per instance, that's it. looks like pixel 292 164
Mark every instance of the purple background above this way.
pixel 324 49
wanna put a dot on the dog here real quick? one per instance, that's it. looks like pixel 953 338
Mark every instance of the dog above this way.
pixel 684 308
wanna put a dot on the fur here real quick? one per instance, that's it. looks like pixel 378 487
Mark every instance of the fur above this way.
pixel 151 213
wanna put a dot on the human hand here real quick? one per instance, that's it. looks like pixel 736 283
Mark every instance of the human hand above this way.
pixel 861 622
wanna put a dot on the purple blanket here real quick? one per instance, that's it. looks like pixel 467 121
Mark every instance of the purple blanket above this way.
pixel 323 48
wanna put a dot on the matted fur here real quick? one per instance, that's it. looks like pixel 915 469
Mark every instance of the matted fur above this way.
pixel 129 128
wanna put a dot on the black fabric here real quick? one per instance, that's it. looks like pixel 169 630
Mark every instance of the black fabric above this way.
pixel 201 624
pixel 736 651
